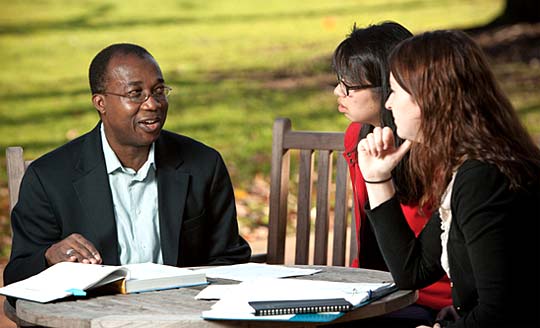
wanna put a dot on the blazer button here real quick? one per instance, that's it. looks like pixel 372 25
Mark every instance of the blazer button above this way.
pixel 351 161
pixel 458 308
pixel 451 284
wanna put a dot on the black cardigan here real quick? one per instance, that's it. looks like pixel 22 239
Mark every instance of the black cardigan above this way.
pixel 493 248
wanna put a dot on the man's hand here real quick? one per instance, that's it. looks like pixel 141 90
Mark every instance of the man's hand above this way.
pixel 74 248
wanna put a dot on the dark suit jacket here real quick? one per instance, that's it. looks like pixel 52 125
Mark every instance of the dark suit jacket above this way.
pixel 67 191
pixel 493 248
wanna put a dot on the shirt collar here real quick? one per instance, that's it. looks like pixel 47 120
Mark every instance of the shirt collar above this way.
pixel 113 163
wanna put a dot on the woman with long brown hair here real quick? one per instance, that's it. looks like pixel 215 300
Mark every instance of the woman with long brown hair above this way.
pixel 360 62
pixel 478 169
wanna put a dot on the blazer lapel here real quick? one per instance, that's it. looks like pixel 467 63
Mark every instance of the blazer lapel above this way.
pixel 94 193
pixel 172 193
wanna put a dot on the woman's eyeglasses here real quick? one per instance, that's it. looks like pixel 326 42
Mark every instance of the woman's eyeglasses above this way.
pixel 345 88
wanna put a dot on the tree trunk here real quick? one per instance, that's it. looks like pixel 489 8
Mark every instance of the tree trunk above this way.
pixel 519 11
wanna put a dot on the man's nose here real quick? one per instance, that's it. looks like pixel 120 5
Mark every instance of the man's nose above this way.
pixel 151 103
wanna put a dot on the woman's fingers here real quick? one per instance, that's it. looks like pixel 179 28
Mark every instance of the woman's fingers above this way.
pixel 387 138
pixel 372 148
pixel 378 140
pixel 378 155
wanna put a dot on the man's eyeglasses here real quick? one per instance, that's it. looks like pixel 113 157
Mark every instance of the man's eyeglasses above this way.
pixel 346 88
pixel 139 97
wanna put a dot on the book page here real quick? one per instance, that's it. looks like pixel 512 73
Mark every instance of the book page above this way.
pixel 152 271
pixel 56 281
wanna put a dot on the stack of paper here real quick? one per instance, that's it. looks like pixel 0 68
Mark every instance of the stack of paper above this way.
pixel 233 299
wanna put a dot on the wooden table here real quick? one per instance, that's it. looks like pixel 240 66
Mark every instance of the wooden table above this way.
pixel 178 308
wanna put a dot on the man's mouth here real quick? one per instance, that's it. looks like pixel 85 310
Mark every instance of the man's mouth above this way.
pixel 150 125
pixel 150 121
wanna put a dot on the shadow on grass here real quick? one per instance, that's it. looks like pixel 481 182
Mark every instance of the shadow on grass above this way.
pixel 87 21
pixel 34 146
pixel 45 94
pixel 35 118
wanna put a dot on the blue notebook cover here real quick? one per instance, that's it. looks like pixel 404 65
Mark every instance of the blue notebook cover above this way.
pixel 306 317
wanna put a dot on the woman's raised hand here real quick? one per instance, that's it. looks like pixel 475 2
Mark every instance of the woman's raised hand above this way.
pixel 377 155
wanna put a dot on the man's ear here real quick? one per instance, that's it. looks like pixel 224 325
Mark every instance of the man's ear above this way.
pixel 99 103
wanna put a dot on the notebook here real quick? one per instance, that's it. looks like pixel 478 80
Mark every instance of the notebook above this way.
pixel 254 300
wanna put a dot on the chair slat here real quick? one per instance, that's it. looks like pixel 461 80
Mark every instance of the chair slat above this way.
pixel 340 213
pixel 324 167
pixel 313 140
pixel 279 186
pixel 16 166
pixel 303 223
pixel 353 241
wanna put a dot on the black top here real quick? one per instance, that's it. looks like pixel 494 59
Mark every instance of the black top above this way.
pixel 67 191
pixel 493 248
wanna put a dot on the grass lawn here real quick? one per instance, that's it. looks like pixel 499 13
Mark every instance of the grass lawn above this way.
pixel 234 67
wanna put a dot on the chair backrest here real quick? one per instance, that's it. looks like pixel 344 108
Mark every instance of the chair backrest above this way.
pixel 325 147
pixel 16 166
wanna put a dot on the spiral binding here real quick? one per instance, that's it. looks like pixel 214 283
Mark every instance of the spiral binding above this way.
pixel 305 309
pixel 268 308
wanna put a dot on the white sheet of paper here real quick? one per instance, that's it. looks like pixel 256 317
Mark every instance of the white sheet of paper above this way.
pixel 215 292
pixel 269 289
pixel 252 271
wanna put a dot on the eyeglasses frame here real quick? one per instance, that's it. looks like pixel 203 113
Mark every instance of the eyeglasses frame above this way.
pixel 355 87
pixel 148 95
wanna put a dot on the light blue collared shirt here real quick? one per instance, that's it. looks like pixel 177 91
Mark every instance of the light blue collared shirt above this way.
pixel 135 201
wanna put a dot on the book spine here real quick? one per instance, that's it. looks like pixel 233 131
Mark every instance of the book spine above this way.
pixel 118 286
pixel 123 289
pixel 302 310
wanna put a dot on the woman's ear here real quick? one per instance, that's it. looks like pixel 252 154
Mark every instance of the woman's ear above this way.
pixel 99 103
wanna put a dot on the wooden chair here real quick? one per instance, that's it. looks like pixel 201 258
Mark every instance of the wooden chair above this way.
pixel 309 144
pixel 16 166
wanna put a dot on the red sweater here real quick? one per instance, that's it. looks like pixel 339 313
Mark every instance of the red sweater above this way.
pixel 435 296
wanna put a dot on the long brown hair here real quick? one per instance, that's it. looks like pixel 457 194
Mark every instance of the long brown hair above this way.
pixel 465 114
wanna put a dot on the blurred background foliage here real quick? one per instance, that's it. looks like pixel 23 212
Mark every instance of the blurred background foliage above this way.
pixel 234 67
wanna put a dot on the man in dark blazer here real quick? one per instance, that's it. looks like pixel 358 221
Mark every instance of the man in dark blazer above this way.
pixel 68 207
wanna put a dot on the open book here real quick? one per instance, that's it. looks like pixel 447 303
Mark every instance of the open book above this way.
pixel 70 278
pixel 290 299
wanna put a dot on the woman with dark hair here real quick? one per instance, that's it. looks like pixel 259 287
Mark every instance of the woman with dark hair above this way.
pixel 361 65
pixel 477 168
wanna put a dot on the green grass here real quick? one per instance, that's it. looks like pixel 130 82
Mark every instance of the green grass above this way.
pixel 217 55
pixel 234 66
